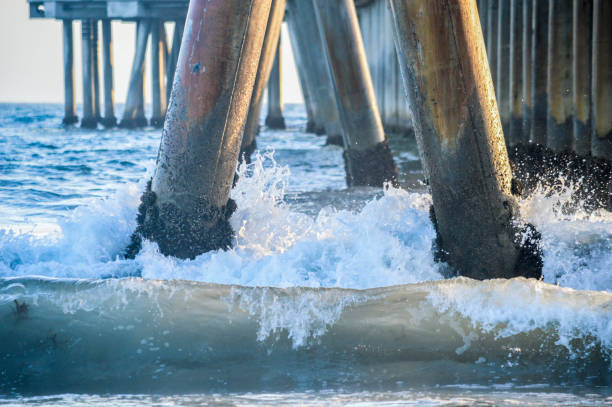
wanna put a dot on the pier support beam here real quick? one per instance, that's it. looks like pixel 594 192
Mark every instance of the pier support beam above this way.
pixel 89 119
pixel 367 156
pixel 135 87
pixel 559 85
pixel 601 137
pixel 449 88
pixel 179 26
pixel 95 62
pixel 515 90
pixel 186 208
pixel 70 116
pixel 158 70
pixel 266 62
pixel 275 119
pixel 492 17
pixel 303 23
pixel 527 70
pixel 109 119
pixel 502 91
pixel 539 76
pixel 582 45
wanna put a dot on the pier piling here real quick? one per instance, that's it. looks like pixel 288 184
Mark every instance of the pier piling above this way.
pixel 601 137
pixel 158 71
pixel 70 116
pixel 275 119
pixel 89 119
pixel 517 135
pixel 559 85
pixel 179 26
pixel 109 119
pixel 95 62
pixel 458 130
pixel 582 43
pixel 492 17
pixel 502 90
pixel 539 76
pixel 186 208
pixel 527 70
pixel 135 87
pixel 367 157
pixel 266 61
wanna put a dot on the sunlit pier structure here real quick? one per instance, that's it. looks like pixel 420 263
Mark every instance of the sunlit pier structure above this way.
pixel 471 80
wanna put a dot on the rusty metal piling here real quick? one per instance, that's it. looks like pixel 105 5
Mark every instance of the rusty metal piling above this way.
pixel 368 159
pixel 187 207
pixel 450 91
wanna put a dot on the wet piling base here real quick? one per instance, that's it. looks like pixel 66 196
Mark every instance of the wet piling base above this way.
pixel 591 177
pixel 372 167
pixel 275 122
pixel 180 234
pixel 68 120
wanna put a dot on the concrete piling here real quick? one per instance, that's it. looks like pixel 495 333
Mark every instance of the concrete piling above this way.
pixel 559 84
pixel 186 208
pixel 502 91
pixel 89 119
pixel 275 119
pixel 158 71
pixel 95 62
pixel 266 62
pixel 140 120
pixel 582 43
pixel 458 130
pixel 515 91
pixel 179 26
pixel 109 119
pixel 367 157
pixel 483 11
pixel 303 23
pixel 539 76
pixel 492 17
pixel 135 87
pixel 70 116
pixel 601 99
pixel 527 103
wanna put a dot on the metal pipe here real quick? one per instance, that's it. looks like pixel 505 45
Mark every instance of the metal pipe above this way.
pixel 367 157
pixel 539 71
pixel 135 87
pixel 158 67
pixel 601 138
pixel 109 119
pixel 515 89
pixel 70 116
pixel 187 207
pixel 559 85
pixel 88 120
pixel 275 119
pixel 458 130
pixel 266 61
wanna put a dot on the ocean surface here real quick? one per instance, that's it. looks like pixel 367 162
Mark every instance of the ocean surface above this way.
pixel 329 296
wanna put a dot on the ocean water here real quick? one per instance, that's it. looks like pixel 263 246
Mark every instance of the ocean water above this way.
pixel 329 296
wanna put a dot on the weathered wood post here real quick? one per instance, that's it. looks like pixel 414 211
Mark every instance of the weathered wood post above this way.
pixel 601 137
pixel 527 69
pixel 367 157
pixel 158 70
pixel 143 27
pixel 492 17
pixel 109 119
pixel 303 22
pixel 275 119
pixel 559 85
pixel 582 44
pixel 266 60
pixel 515 90
pixel 187 206
pixel 89 119
pixel 70 116
pixel 95 62
pixel 458 130
pixel 302 77
pixel 539 71
pixel 502 91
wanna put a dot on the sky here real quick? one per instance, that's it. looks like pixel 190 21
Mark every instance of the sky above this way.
pixel 31 58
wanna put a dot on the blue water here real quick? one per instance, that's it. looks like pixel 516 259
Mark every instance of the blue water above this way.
pixel 329 296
